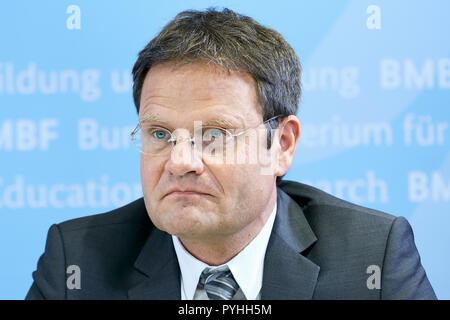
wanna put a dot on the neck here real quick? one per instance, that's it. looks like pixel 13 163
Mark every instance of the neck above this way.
pixel 219 250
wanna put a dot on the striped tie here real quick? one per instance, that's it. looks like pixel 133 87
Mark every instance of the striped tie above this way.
pixel 218 283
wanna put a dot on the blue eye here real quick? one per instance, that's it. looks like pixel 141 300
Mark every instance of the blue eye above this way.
pixel 213 133
pixel 160 134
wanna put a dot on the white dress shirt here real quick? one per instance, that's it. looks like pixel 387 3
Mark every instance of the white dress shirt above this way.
pixel 246 267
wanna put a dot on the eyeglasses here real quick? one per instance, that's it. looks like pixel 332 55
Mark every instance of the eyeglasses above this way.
pixel 154 140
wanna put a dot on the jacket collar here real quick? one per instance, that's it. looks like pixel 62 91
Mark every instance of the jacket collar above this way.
pixel 287 273
pixel 158 274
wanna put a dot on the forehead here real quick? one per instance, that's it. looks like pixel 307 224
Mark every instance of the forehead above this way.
pixel 198 90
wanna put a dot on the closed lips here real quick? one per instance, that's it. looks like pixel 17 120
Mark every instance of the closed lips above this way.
pixel 186 191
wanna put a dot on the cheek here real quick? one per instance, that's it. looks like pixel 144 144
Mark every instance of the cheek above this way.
pixel 241 183
pixel 150 174
pixel 246 193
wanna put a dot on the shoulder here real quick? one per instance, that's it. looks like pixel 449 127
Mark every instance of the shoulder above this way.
pixel 332 217
pixel 111 232
pixel 104 246
pixel 311 199
pixel 352 238
pixel 133 213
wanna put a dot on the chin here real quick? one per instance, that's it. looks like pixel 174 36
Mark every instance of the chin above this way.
pixel 184 219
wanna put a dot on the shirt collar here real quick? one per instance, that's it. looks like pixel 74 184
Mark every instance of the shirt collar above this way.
pixel 191 269
pixel 247 266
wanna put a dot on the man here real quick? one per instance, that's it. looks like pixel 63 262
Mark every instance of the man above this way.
pixel 213 90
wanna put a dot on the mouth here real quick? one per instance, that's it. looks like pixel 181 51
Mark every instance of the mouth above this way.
pixel 187 193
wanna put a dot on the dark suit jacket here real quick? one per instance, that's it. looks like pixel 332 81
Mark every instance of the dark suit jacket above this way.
pixel 320 248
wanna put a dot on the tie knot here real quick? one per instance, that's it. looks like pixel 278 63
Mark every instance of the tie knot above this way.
pixel 218 283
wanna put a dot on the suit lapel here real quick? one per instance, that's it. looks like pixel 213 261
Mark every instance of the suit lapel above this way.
pixel 287 273
pixel 157 274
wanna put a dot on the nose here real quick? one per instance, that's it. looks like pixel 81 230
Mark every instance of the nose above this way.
pixel 184 159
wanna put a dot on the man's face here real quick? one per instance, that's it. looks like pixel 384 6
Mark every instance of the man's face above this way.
pixel 214 200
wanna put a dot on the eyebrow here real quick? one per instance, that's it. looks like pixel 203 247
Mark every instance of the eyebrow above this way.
pixel 219 123
pixel 152 118
pixel 214 122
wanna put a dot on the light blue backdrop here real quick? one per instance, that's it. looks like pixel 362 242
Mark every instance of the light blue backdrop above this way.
pixel 375 113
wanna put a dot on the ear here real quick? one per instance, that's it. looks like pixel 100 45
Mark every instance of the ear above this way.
pixel 288 135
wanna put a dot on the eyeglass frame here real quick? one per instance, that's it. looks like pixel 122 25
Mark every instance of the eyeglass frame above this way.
pixel 173 139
